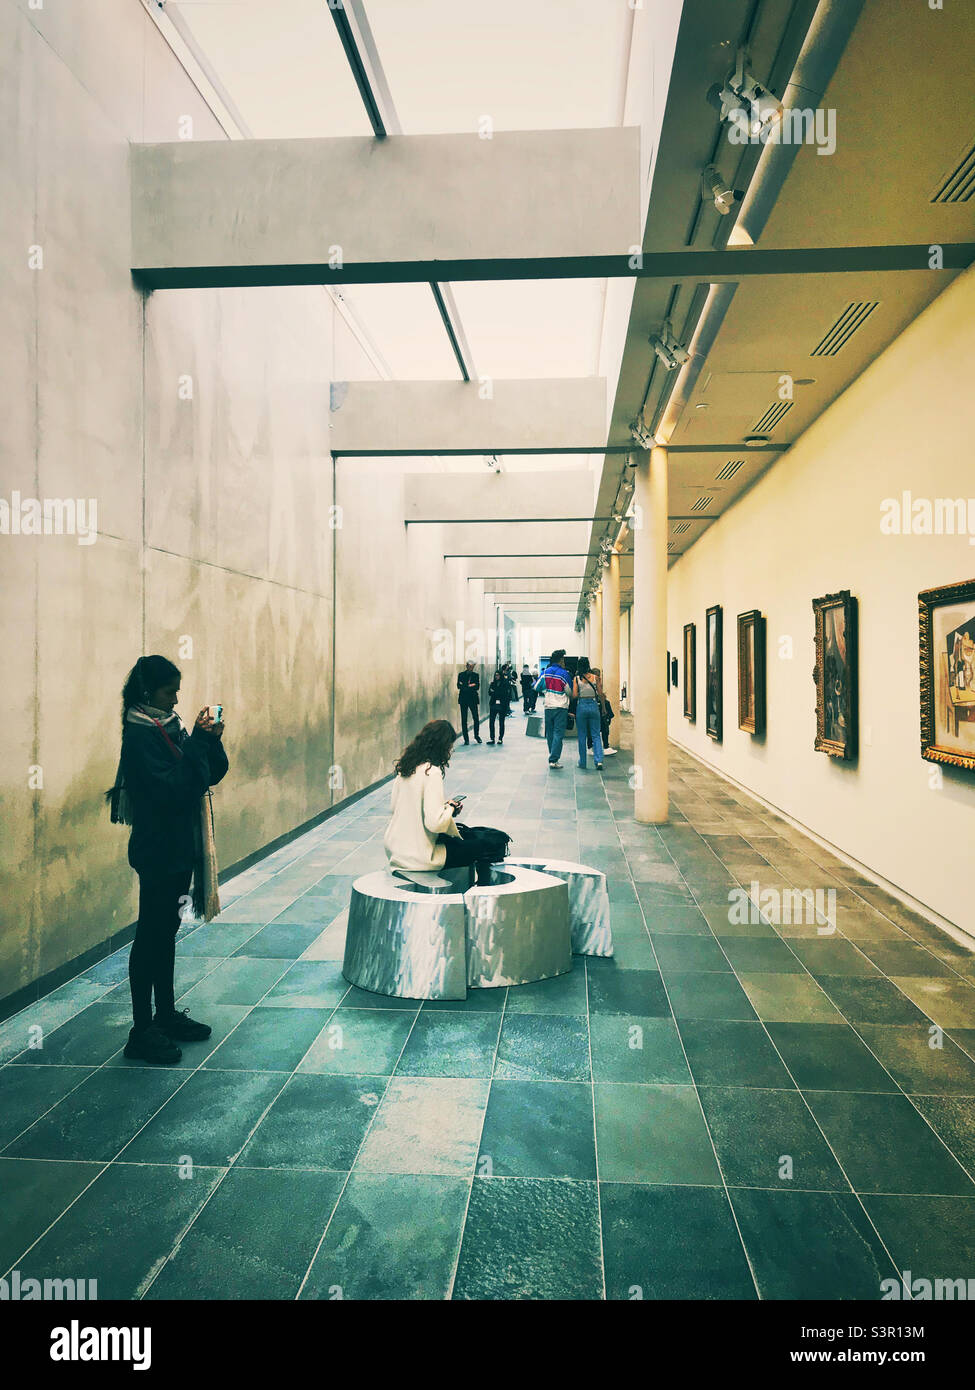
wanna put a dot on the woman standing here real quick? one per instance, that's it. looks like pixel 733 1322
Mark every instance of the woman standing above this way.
pixel 423 833
pixel 499 703
pixel 588 691
pixel 161 792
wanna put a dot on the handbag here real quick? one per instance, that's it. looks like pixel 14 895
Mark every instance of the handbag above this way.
pixel 489 843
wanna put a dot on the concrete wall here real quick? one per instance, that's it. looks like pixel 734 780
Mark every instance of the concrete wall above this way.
pixel 199 421
pixel 810 527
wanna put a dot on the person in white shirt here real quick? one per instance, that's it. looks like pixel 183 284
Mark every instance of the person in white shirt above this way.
pixel 423 834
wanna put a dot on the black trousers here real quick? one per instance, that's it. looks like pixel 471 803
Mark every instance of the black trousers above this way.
pixel 459 853
pixel 153 956
pixel 497 713
pixel 469 707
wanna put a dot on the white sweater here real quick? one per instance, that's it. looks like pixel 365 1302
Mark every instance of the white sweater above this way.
pixel 420 814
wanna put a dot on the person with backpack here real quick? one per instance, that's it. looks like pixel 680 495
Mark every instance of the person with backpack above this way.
pixel 587 690
pixel 162 791
pixel 555 684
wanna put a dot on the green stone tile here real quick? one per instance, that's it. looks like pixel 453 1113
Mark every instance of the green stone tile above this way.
pixel 723 920
pixel 254 1239
pixel 616 991
pixel 904 958
pixel 27 1092
pixel 949 1002
pixel 761 955
pixel 703 995
pixel 392 1237
pixel 689 954
pixel 870 1001
pixel 789 999
pixel 672 1243
pixel 309 984
pixel 221 1018
pixel 530 1238
pixel 270 1040
pixel 360 1041
pixel 209 1120
pixel 21 1030
pixel 35 1193
pixel 543 1047
pixel 281 940
pixel 121 1228
pixel 99 1116
pixel 829 1057
pixel 833 956
pixel 239 980
pixel 724 1053
pixel 915 1065
pixel 426 1125
pixel 365 999
pixel 487 1001
pixel 316 1122
pixel 767 1138
pixel 653 1134
pixel 953 1118
pixel 886 1146
pixel 564 994
pixel 88 1039
pixel 217 939
pixel 632 951
pixel 630 1047
pixel 810 1245
pixel 683 919
pixel 445 1044
pixel 929 1237
pixel 538 1129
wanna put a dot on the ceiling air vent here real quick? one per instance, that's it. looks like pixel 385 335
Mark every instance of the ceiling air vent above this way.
pixel 958 185
pixel 729 470
pixel 671 545
pixel 852 319
pixel 679 527
pixel 702 504
pixel 772 417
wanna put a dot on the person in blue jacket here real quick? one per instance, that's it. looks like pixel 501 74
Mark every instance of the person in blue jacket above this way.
pixel 161 791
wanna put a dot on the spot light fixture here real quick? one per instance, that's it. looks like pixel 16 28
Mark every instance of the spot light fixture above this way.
pixel 749 107
pixel 719 191
pixel 670 352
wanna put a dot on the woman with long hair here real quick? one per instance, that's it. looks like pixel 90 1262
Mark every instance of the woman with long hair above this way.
pixel 587 689
pixel 161 791
pixel 423 834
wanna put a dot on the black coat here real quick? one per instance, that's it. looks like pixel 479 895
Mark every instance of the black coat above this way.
pixel 164 793
pixel 499 695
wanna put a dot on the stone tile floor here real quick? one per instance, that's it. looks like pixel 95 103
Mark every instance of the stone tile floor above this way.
pixel 731 1108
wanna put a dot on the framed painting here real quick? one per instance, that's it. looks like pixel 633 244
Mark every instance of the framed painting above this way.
pixel 751 672
pixel 835 674
pixel 690 672
pixel 673 671
pixel 668 673
pixel 713 674
pixel 946 640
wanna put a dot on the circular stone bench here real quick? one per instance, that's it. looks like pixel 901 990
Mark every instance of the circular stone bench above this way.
pixel 424 936
pixel 588 902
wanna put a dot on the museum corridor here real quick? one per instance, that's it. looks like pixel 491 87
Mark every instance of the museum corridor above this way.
pixel 723 1111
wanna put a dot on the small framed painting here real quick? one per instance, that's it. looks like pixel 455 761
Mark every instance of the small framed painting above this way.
pixel 713 675
pixel 751 672
pixel 946 640
pixel 690 671
pixel 668 673
pixel 673 671
pixel 835 674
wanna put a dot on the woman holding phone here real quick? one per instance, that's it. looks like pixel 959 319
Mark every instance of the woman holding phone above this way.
pixel 423 834
pixel 161 791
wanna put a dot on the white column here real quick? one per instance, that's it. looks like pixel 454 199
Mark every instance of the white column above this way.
pixel 596 630
pixel 611 631
pixel 648 691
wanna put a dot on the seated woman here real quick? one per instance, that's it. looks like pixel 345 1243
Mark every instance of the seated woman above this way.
pixel 423 834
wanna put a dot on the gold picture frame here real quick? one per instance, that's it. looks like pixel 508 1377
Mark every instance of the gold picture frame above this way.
pixel 836 675
pixel 946 652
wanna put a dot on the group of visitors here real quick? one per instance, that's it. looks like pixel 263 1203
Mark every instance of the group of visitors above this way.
pixel 502 690
pixel 582 694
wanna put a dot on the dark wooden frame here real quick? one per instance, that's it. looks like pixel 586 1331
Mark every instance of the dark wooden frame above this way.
pixel 716 733
pixel 668 673
pixel 690 672
pixel 927 601
pixel 847 750
pixel 752 619
pixel 673 672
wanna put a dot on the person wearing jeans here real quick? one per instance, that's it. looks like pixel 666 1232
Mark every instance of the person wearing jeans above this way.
pixel 556 683
pixel 587 690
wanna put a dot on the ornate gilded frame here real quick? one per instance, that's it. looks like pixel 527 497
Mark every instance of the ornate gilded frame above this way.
pixel 752 619
pixel 847 749
pixel 716 733
pixel 690 672
pixel 927 601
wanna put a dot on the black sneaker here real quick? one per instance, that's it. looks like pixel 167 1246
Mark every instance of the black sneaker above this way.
pixel 180 1025
pixel 478 740
pixel 500 742
pixel 152 1045
pixel 490 742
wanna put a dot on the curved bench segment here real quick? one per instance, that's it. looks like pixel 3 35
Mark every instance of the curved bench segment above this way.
pixel 588 902
pixel 404 941
pixel 518 930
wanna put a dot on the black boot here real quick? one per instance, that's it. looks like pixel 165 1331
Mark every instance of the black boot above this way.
pixel 180 1025
pixel 151 1045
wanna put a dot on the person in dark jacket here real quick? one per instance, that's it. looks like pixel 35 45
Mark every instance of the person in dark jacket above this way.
pixel 469 698
pixel 499 703
pixel 526 688
pixel 161 791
